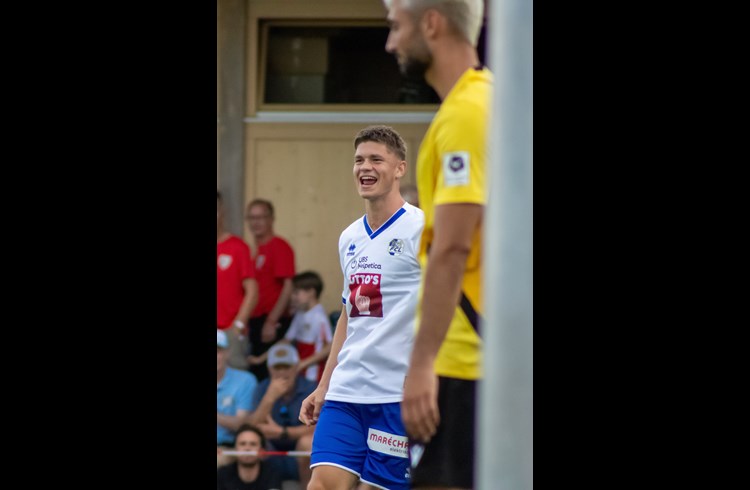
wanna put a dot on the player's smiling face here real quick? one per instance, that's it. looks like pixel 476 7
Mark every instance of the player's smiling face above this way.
pixel 376 170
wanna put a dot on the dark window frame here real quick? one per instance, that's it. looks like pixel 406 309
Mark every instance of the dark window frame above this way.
pixel 265 25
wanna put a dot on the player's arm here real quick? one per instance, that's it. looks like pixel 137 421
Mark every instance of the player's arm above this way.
pixel 311 406
pixel 454 228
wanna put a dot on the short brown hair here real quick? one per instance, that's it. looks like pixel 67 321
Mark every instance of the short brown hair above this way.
pixel 308 280
pixel 385 135
pixel 251 428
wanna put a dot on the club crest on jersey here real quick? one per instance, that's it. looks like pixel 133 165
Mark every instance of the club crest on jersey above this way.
pixel 396 246
pixel 225 261
pixel 351 250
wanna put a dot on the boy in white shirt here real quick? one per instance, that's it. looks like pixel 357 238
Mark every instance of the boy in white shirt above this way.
pixel 310 329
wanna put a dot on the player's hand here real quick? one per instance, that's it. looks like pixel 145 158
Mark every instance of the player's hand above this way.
pixel 419 410
pixel 310 410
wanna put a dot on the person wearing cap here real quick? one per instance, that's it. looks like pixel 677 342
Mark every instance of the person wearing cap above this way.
pixel 275 405
pixel 234 389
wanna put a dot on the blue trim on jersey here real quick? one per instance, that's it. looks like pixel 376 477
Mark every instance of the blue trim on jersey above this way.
pixel 343 300
pixel 385 225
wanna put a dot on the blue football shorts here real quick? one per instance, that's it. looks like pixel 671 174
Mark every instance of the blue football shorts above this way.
pixel 368 440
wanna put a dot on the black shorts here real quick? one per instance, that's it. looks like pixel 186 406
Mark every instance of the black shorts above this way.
pixel 448 459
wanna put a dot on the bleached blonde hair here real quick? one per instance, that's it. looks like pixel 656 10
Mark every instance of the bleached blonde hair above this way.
pixel 465 16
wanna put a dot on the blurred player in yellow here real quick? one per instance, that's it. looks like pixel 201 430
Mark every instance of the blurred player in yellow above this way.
pixel 437 39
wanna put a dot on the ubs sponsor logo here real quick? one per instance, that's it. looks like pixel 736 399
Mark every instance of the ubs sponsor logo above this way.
pixel 364 265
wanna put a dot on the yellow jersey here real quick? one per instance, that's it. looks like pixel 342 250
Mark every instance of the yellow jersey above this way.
pixel 451 168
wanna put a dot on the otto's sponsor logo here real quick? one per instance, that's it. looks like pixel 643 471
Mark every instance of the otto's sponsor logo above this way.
pixel 384 442
pixel 364 279
pixel 364 295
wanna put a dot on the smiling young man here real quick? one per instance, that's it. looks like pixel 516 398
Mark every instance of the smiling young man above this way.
pixel 359 434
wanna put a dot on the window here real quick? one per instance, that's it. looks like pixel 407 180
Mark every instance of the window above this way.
pixel 307 63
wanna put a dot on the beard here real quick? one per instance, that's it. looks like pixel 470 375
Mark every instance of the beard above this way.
pixel 414 69
pixel 416 62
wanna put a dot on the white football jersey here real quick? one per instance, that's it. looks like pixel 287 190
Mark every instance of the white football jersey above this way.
pixel 381 283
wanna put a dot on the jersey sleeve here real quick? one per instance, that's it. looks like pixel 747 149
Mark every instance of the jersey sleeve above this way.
pixel 461 145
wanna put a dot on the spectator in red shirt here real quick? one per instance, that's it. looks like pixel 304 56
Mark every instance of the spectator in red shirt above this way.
pixel 236 289
pixel 274 270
